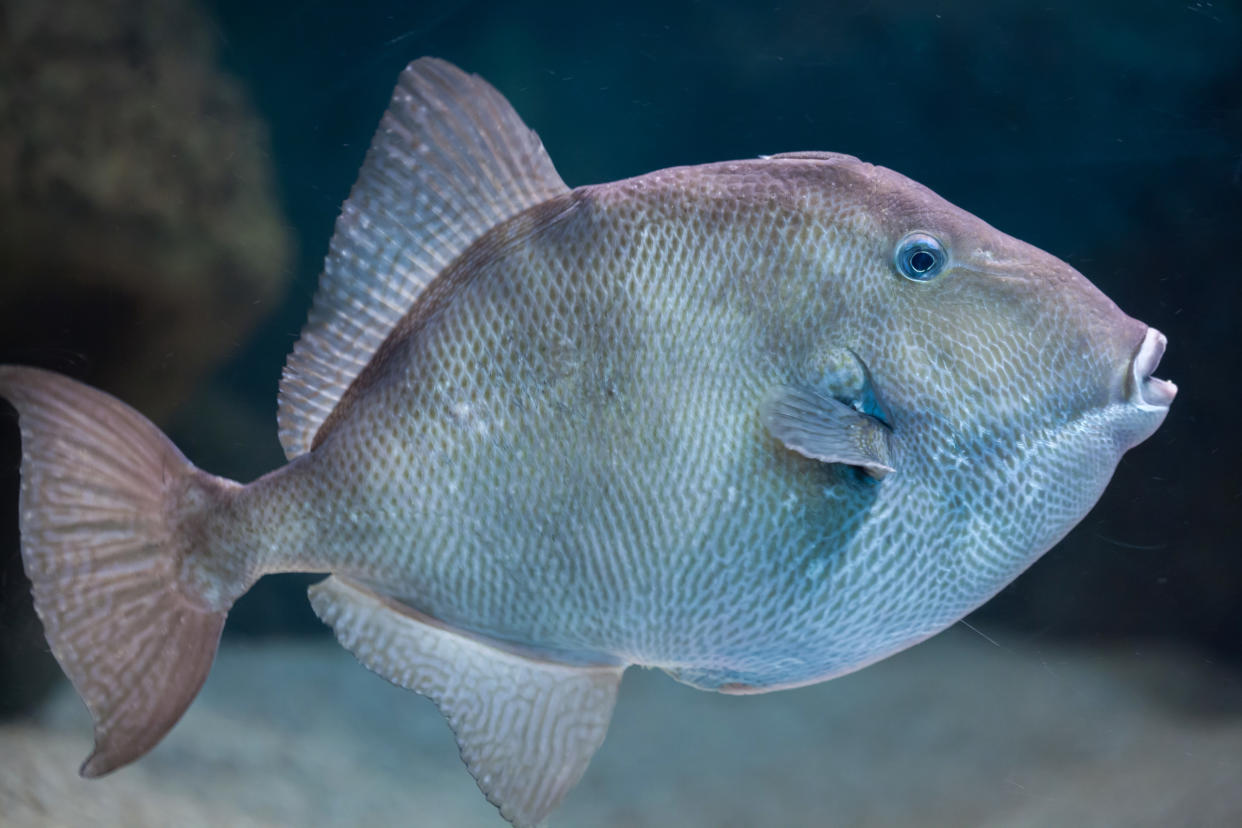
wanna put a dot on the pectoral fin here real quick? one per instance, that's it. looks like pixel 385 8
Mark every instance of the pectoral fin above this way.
pixel 526 727
pixel 822 428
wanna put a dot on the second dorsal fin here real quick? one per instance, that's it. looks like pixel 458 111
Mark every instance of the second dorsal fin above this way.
pixel 450 160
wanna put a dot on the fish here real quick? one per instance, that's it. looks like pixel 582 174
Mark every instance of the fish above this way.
pixel 756 424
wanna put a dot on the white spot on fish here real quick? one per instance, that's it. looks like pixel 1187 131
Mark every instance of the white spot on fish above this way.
pixel 467 417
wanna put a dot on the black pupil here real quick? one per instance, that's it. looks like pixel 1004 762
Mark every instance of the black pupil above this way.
pixel 921 261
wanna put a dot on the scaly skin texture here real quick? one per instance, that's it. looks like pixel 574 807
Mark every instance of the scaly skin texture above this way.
pixel 560 446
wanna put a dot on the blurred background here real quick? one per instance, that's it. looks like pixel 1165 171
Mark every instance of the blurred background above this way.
pixel 170 171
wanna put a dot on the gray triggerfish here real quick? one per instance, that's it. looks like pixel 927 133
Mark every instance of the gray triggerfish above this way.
pixel 755 423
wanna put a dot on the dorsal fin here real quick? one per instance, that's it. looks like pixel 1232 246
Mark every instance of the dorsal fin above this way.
pixel 450 160
pixel 809 155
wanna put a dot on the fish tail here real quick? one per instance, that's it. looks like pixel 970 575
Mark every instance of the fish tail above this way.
pixel 115 529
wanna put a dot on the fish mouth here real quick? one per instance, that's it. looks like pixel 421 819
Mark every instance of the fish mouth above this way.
pixel 1146 391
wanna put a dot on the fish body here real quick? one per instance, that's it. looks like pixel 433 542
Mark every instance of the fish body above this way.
pixel 755 423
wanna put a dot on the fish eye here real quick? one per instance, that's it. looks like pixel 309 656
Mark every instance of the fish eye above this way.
pixel 920 257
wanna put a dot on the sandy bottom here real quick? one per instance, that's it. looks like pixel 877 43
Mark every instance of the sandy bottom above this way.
pixel 956 732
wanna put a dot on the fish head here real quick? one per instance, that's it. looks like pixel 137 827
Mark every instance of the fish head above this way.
pixel 990 335
pixel 1012 384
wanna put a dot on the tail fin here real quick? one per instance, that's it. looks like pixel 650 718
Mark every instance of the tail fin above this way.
pixel 109 513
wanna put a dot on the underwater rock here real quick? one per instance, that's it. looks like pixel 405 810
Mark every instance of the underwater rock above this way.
pixel 955 732
pixel 137 206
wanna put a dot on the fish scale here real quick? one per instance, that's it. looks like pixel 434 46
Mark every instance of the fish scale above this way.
pixel 757 423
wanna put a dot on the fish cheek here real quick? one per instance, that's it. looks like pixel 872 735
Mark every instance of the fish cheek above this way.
pixel 957 350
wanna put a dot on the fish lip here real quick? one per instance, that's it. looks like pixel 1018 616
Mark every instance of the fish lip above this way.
pixel 1146 391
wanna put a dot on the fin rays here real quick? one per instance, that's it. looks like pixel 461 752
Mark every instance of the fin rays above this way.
pixel 101 542
pixel 526 727
pixel 450 160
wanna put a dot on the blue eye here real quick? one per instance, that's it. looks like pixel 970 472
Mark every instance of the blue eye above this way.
pixel 920 257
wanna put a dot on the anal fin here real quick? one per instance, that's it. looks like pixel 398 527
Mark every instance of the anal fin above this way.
pixel 526 727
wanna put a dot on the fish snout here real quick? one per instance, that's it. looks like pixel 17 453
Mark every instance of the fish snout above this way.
pixel 1146 391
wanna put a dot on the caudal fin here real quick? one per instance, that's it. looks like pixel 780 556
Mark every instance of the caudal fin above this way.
pixel 109 512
